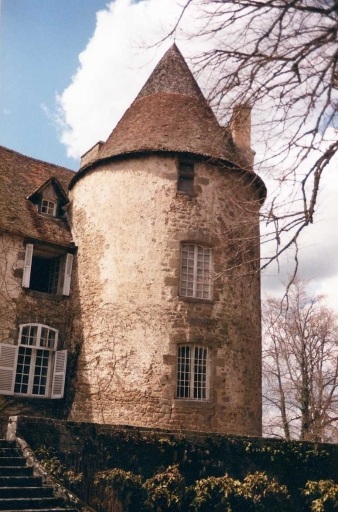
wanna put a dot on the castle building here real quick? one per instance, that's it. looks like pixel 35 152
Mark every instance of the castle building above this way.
pixel 144 266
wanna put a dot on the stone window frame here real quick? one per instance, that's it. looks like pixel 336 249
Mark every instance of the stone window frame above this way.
pixel 193 373
pixel 207 291
pixel 34 362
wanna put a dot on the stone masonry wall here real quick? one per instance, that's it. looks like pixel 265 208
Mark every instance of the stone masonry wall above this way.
pixel 20 306
pixel 128 222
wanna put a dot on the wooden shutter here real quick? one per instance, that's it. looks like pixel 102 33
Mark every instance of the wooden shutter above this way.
pixel 59 374
pixel 8 361
pixel 27 266
pixel 68 274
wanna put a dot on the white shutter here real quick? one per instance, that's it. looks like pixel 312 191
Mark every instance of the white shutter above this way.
pixel 27 266
pixel 68 274
pixel 8 361
pixel 59 374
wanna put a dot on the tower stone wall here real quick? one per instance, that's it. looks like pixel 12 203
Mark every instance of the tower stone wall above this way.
pixel 129 222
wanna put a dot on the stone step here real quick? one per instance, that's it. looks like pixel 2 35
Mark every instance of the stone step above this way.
pixel 12 461
pixel 26 492
pixel 15 471
pixel 20 481
pixel 20 491
pixel 31 503
pixel 6 444
pixel 56 509
pixel 9 452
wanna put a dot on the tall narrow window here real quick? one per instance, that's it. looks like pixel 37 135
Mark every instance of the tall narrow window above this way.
pixel 195 275
pixel 185 177
pixel 193 372
pixel 34 367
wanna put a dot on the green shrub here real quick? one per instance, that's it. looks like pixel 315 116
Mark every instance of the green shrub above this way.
pixel 322 495
pixel 166 491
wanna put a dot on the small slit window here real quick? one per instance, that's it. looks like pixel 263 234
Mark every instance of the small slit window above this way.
pixel 193 372
pixel 185 177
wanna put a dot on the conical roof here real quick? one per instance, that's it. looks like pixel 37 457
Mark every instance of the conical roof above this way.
pixel 169 114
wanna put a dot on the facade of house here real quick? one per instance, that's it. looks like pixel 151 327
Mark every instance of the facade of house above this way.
pixel 144 266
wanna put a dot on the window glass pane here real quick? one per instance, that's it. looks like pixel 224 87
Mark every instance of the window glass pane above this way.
pixel 40 372
pixel 48 207
pixel 192 372
pixel 195 271
pixel 47 338
pixel 183 372
pixel 200 373
pixel 29 335
pixel 45 274
pixel 185 183
pixel 185 177
pixel 53 278
pixel 22 370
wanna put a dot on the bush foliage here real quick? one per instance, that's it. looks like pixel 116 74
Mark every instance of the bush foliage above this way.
pixel 159 473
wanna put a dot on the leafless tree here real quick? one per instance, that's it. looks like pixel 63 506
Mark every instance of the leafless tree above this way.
pixel 279 56
pixel 300 367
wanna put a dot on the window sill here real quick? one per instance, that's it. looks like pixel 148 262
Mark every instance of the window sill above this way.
pixel 22 396
pixel 196 300
pixel 190 403
pixel 188 195
pixel 44 295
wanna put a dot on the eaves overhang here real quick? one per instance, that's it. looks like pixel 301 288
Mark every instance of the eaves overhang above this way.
pixel 246 173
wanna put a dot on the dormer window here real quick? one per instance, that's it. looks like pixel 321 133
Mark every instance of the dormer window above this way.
pixel 186 176
pixel 48 207
pixel 49 198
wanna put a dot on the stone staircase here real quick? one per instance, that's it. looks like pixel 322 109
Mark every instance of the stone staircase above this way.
pixel 20 490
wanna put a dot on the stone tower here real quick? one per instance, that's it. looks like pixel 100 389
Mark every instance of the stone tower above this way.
pixel 165 217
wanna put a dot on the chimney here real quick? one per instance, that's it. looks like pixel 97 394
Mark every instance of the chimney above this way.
pixel 91 154
pixel 240 128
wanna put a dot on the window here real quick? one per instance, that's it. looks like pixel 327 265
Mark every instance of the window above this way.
pixel 193 372
pixel 47 270
pixel 48 207
pixel 195 275
pixel 185 177
pixel 34 367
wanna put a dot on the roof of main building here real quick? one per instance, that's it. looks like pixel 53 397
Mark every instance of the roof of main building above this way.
pixel 20 177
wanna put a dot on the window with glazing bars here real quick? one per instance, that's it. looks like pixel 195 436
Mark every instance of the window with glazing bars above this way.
pixel 193 372
pixel 195 275
pixel 34 367
pixel 48 207
pixel 36 344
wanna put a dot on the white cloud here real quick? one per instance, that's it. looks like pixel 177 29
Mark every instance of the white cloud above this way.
pixel 113 67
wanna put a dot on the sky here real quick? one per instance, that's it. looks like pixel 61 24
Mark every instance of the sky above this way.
pixel 70 68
